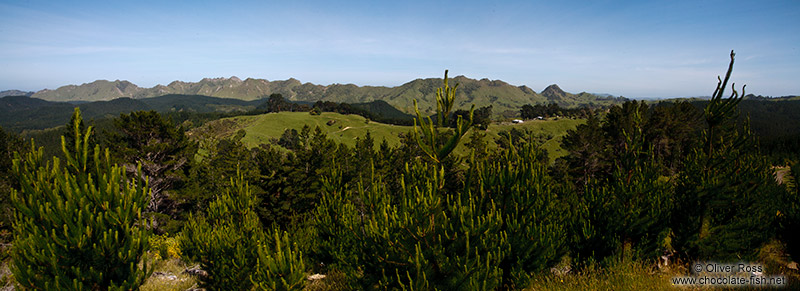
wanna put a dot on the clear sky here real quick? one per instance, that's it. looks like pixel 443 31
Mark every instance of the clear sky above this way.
pixel 629 48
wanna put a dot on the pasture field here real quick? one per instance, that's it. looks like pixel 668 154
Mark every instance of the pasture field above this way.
pixel 345 129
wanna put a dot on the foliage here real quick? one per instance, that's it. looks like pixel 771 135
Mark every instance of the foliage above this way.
pixel 428 135
pixel 76 227
pixel 164 152
pixel 9 143
pixel 418 238
pixel 503 222
pixel 725 198
pixel 586 160
pixel 528 111
pixel 165 247
pixel 790 211
pixel 293 187
pixel 481 117
pixel 231 245
pixel 220 162
pixel 630 211
pixel 535 216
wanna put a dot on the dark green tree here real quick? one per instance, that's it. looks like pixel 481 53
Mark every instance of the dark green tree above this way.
pixel 481 118
pixel 9 143
pixel 535 216
pixel 276 103
pixel 587 149
pixel 164 152
pixel 77 227
pixel 295 187
pixel 208 177
pixel 629 212
pixel 790 211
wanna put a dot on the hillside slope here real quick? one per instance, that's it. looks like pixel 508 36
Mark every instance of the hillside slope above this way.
pixel 260 129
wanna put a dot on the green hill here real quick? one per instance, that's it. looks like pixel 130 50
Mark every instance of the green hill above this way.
pixel 346 128
pixel 198 103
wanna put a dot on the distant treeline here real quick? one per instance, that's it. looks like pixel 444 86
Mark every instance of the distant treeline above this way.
pixel 552 109
pixel 776 123
pixel 378 110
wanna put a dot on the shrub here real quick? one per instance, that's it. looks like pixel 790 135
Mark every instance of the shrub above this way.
pixel 232 247
pixel 165 247
pixel 76 226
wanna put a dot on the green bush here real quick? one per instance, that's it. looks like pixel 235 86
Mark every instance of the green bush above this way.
pixel 535 217
pixel 630 211
pixel 420 238
pixel 165 247
pixel 237 253
pixel 76 227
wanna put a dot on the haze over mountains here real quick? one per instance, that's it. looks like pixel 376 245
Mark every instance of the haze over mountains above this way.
pixel 484 92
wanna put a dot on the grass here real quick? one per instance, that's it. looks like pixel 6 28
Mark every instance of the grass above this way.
pixel 345 129
pixel 628 274
pixel 619 275
pixel 168 275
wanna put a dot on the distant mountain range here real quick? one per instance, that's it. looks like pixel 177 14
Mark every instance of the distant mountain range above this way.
pixel 503 96
pixel 15 93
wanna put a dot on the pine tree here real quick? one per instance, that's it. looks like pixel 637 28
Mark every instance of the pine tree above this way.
pixel 628 212
pixel 535 217
pixel 77 227
pixel 164 152
pixel 435 143
pixel 725 200
pixel 230 243
pixel 417 239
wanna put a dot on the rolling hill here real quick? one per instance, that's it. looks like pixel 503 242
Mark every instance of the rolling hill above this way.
pixel 345 129
pixel 501 95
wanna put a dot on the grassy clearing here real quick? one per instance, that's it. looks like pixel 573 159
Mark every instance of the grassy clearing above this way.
pixel 346 128
pixel 556 128
pixel 168 275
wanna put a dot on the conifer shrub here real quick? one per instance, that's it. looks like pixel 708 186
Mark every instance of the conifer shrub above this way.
pixel 77 224
pixel 165 247
pixel 502 223
pixel 420 238
pixel 789 216
pixel 535 215
pixel 628 212
pixel 231 245
pixel 726 196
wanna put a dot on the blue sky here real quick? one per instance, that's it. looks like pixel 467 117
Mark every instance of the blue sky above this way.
pixel 629 48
